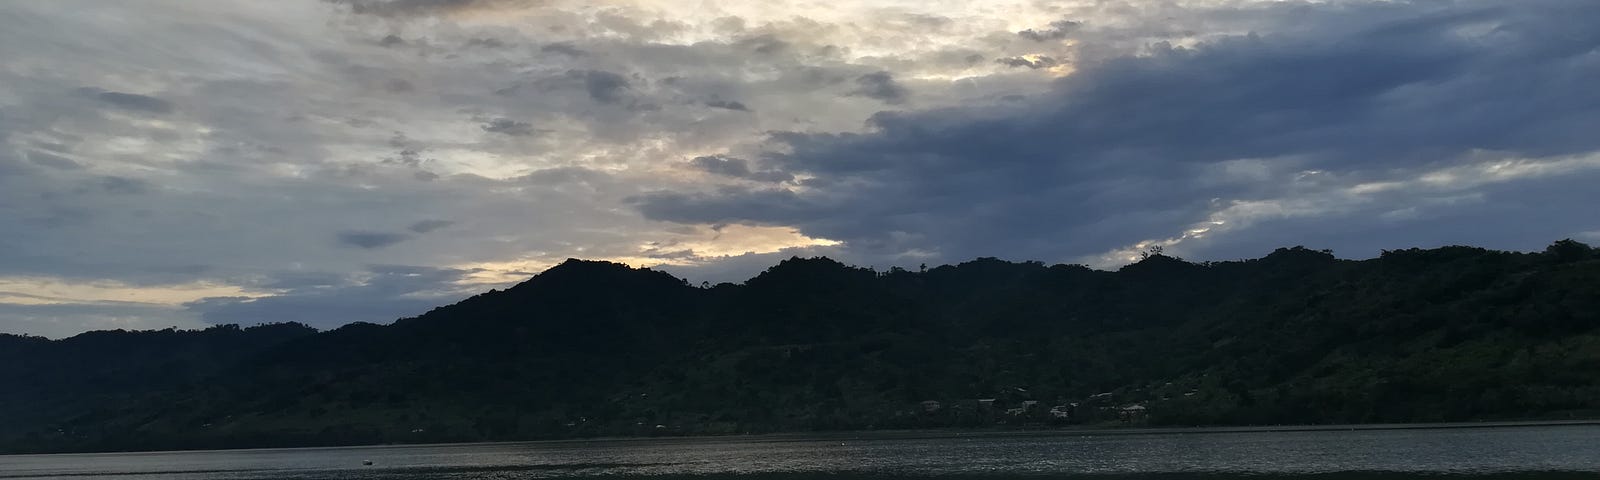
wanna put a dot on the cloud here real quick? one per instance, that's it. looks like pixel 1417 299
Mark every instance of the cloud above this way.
pixel 1032 62
pixel 486 43
pixel 562 48
pixel 426 226
pixel 1145 148
pixel 53 161
pixel 728 105
pixel 124 185
pixel 732 205
pixel 370 240
pixel 420 8
pixel 65 320
pixel 603 86
pixel 1058 30
pixel 506 126
pixel 881 86
pixel 131 101
pixel 399 85
pixel 248 146
pixel 381 294
pixel 736 168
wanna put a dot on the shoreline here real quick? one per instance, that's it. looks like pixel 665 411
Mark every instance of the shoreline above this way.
pixel 870 435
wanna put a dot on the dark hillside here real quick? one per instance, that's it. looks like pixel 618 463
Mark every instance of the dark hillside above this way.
pixel 594 348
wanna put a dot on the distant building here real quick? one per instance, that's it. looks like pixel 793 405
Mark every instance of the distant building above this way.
pixel 1132 413
pixel 1030 406
pixel 931 406
pixel 1061 412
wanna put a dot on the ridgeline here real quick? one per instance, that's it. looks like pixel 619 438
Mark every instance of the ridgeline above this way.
pixel 595 349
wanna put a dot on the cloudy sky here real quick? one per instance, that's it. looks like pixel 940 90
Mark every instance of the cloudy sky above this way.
pixel 184 163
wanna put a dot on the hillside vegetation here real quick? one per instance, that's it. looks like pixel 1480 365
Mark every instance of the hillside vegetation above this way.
pixel 593 348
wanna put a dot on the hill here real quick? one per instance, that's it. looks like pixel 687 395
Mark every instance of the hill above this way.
pixel 593 348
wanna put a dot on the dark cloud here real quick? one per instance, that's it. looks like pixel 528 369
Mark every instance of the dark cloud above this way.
pixel 409 154
pixel 881 86
pixel 1036 62
pixel 506 126
pixel 721 165
pixel 603 86
pixel 426 226
pixel 562 48
pixel 728 105
pixel 370 240
pixel 731 205
pixel 736 168
pixel 1142 147
pixel 1058 30
pixel 392 40
pixel 131 101
pixel 422 8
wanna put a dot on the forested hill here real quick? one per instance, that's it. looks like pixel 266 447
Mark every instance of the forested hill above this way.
pixel 593 348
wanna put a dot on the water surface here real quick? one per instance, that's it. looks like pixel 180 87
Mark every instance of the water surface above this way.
pixel 1546 453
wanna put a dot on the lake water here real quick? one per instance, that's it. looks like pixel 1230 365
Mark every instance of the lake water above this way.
pixel 1549 452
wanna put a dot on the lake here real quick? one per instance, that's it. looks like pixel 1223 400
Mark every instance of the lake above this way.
pixel 1543 452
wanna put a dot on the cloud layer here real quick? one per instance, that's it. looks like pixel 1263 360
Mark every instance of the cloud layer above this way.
pixel 178 164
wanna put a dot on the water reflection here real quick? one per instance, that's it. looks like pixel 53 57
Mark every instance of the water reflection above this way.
pixel 1523 452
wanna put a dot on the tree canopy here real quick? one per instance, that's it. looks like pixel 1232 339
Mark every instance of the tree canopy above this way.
pixel 594 348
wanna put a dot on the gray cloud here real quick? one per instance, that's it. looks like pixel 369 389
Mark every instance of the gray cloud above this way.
pixel 732 205
pixel 132 101
pixel 506 126
pixel 881 86
pixel 562 48
pixel 764 44
pixel 728 105
pixel 370 240
pixel 737 168
pixel 426 226
pixel 1058 30
pixel 65 320
pixel 1144 147
pixel 381 295
pixel 1031 63
pixel 418 8
pixel 603 86
pixel 482 42
pixel 124 185
pixel 399 85
pixel 52 160
pixel 287 118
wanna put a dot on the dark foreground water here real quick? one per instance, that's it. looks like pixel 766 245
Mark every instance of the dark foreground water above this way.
pixel 1546 453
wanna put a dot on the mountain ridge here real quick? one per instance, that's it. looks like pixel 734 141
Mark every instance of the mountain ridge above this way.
pixel 592 348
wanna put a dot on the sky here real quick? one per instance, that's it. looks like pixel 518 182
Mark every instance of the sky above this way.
pixel 174 163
